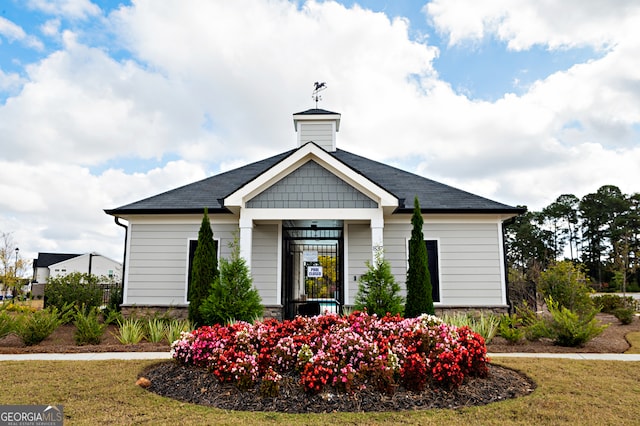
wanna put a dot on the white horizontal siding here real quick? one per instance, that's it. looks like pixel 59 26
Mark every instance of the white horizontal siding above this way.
pixel 264 262
pixel 469 260
pixel 157 260
pixel 359 252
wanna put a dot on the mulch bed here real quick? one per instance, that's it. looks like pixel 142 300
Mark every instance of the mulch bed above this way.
pixel 197 386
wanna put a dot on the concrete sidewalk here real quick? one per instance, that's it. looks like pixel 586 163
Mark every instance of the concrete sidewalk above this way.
pixel 101 356
pixel 85 356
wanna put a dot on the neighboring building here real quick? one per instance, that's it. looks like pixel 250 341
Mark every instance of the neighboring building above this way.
pixel 307 221
pixel 58 264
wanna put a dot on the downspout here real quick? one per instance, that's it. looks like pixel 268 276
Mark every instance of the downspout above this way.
pixel 506 263
pixel 124 258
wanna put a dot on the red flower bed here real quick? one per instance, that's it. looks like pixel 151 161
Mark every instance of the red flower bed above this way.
pixel 343 353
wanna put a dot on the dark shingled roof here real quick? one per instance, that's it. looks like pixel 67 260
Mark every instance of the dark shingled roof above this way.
pixel 434 197
pixel 47 259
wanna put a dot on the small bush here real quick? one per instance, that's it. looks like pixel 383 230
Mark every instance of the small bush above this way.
pixel 570 328
pixel 486 325
pixel 510 328
pixel 89 328
pixel 610 302
pixel 130 331
pixel 156 330
pixel 33 328
pixel 535 326
pixel 624 315
pixel 567 285
pixel 176 327
pixel 77 289
pixel 232 295
pixel 6 324
pixel 378 291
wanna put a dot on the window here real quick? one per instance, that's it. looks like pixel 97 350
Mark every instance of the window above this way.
pixel 434 269
pixel 432 253
pixel 193 244
pixel 110 273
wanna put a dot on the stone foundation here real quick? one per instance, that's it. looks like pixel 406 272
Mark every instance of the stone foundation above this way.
pixel 473 310
pixel 177 312
pixel 274 311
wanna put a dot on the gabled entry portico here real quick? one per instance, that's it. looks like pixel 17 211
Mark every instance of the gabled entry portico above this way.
pixel 313 188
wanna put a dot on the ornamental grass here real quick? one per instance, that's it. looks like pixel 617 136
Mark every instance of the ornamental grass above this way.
pixel 338 354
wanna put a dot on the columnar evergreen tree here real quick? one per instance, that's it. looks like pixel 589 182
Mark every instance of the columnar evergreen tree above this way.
pixel 204 270
pixel 378 290
pixel 419 298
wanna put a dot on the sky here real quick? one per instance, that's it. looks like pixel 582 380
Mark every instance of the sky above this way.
pixel 106 102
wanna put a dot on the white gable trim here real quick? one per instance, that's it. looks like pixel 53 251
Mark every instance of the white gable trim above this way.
pixel 309 152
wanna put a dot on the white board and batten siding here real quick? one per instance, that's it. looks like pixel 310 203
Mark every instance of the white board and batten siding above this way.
pixel 157 260
pixel 469 255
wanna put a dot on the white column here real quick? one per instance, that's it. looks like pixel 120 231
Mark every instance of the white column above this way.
pixel 246 239
pixel 377 228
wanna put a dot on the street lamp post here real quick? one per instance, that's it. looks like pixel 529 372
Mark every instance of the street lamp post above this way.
pixel 15 272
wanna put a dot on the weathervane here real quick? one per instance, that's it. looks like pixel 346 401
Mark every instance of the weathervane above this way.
pixel 317 88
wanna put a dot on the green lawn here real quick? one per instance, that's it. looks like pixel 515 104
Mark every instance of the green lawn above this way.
pixel 104 392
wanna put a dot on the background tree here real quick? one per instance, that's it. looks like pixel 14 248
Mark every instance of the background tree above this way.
pixel 378 290
pixel 204 270
pixel 419 297
pixel 601 229
pixel 12 267
pixel 563 216
pixel 232 296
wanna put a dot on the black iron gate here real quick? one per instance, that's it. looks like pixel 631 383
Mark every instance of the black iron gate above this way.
pixel 312 270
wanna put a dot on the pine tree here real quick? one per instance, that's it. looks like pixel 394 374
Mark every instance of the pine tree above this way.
pixel 419 298
pixel 378 290
pixel 232 296
pixel 204 270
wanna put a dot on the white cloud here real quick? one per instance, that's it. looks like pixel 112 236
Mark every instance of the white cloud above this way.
pixel 524 23
pixel 73 9
pixel 14 32
pixel 215 84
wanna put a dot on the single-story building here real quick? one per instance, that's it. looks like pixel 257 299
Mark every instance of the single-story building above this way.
pixel 307 221
pixel 50 265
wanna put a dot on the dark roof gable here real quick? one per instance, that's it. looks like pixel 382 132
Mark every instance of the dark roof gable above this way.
pixel 210 192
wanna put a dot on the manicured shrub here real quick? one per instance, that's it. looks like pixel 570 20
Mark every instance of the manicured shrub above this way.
pixel 378 291
pixel 510 328
pixel 6 323
pixel 486 325
pixel 175 327
pixel 34 327
pixel 89 328
pixel 130 331
pixel 624 315
pixel 232 296
pixel 156 329
pixel 535 326
pixel 75 289
pixel 570 328
pixel 610 302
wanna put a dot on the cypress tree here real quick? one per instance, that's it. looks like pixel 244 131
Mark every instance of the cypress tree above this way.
pixel 204 270
pixel 419 298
